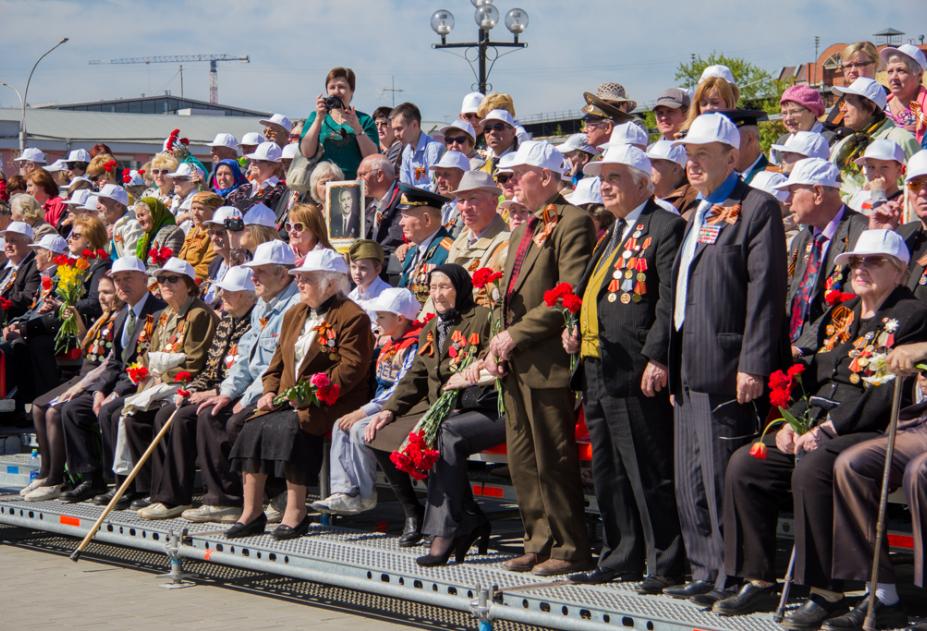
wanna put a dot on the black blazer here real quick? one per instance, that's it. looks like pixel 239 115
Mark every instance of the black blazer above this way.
pixel 915 237
pixel 113 377
pixel 848 230
pixel 632 334
pixel 734 317
pixel 389 233
pixel 24 288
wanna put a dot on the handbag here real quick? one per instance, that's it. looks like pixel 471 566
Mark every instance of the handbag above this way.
pixel 479 398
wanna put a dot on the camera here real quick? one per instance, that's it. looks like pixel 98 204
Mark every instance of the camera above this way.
pixel 333 103
pixel 234 224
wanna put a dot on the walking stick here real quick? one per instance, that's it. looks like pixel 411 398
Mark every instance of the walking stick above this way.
pixel 779 616
pixel 75 556
pixel 869 622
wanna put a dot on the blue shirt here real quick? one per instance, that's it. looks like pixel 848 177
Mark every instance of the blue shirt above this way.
pixel 417 162
pixel 724 191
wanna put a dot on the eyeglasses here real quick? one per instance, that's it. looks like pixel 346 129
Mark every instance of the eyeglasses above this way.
pixel 294 227
pixel 459 140
pixel 868 261
pixel 160 171
pixel 856 65
pixel 495 127
pixel 74 235
pixel 502 178
pixel 593 124
pixel 917 185
pixel 793 112
pixel 163 280
pixel 381 123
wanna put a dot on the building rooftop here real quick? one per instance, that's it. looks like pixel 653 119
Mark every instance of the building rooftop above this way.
pixel 157 104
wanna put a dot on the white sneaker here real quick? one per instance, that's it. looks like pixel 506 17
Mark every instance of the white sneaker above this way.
pixel 324 506
pixel 274 509
pixel 159 510
pixel 207 513
pixel 32 486
pixel 347 505
pixel 42 493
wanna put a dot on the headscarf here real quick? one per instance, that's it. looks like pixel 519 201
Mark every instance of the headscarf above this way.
pixel 160 217
pixel 236 173
pixel 463 303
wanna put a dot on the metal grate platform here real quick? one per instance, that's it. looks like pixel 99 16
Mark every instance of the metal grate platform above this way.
pixel 372 562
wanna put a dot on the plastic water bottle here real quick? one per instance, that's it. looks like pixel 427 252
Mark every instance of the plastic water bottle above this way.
pixel 34 461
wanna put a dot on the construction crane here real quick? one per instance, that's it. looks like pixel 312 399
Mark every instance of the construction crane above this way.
pixel 180 59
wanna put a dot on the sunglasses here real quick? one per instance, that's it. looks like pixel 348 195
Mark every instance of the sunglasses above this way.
pixel 868 261
pixel 294 227
pixel 163 280
pixel 74 235
pixel 495 127
pixel 502 178
pixel 160 171
pixel 450 140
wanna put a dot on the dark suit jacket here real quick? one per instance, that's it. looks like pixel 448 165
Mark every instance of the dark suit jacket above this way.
pixel 916 239
pixel 632 334
pixel 113 377
pixel 734 317
pixel 388 232
pixel 848 230
pixel 539 358
pixel 24 288
pixel 349 366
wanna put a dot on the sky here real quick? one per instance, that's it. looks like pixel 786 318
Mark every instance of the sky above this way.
pixel 572 47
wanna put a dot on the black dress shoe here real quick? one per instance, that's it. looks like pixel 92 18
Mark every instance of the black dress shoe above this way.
pixel 653 585
pixel 84 491
pixel 254 527
pixel 289 532
pixel 412 532
pixel 601 575
pixel 689 590
pixel 124 502
pixel 708 600
pixel 749 599
pixel 886 617
pixel 140 502
pixel 810 615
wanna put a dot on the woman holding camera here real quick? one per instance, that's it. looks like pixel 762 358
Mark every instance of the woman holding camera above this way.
pixel 344 134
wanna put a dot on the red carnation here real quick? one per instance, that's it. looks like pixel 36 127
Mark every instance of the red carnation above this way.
pixel 758 451
pixel 61 259
pixel 141 171
pixel 796 369
pixel 5 303
pixel 87 254
pixel 184 394
pixel 102 255
pixel 110 166
pixel 779 379
pixel 572 303
pixel 779 398
pixel 126 177
pixel 137 374
pixel 485 276
pixel 328 395
pixel 46 283
pixel 183 376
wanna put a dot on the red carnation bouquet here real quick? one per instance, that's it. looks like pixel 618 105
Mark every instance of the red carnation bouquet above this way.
pixel 137 373
pixel 182 378
pixel 781 385
pixel 561 297
pixel 317 391
pixel 160 256
pixel 490 282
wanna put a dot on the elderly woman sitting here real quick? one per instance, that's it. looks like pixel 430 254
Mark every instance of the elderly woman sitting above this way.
pixel 847 406
pixel 800 106
pixel 907 99
pixel 160 233
pixel 183 333
pixel 447 344
pixel 228 178
pixel 197 248
pixel 325 343
pixel 26 208
pixel 161 166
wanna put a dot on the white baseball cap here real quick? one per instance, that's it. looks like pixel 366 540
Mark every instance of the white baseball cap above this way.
pixel 128 264
pixel 471 103
pixel 476 181
pixel 78 197
pixel 720 71
pixel 184 171
pixel 31 154
pixel 628 134
pixel 290 151
pixel 667 150
pixel 274 252
pixel 628 155
pixel 277 120
pixel 505 163
pixel 577 142
pixel 260 215
pixel 588 191
pixel 56 166
pixel 323 260
pixel 223 214
pixel 538 153
pixel 879 241
pixel 711 127
pixel 91 204
pixel 115 193
pixel 917 165
pixel 267 151
pixel 767 181
pixel 500 115
pixel 454 160
pixel 175 265
pixel 224 139
pixel 251 139
pixel 51 242
pixel 810 144
pixel 238 278
pixel 463 126
pixel 908 50
pixel 19 227
pixel 397 300
pixel 813 172
pixel 866 88
pixel 78 155
pixel 882 149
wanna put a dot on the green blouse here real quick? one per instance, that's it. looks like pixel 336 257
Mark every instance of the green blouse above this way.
pixel 339 142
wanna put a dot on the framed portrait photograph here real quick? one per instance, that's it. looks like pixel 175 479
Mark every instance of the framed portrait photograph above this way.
pixel 344 212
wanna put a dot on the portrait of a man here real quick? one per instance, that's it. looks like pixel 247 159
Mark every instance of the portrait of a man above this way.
pixel 344 209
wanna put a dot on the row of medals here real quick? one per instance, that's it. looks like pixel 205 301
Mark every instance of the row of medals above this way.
pixel 630 258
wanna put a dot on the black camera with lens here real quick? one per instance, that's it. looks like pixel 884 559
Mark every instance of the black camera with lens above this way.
pixel 333 103
pixel 235 224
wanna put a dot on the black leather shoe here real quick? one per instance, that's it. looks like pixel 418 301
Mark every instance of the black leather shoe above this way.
pixel 411 533
pixel 601 575
pixel 815 611
pixel 886 617
pixel 124 502
pixel 653 585
pixel 689 590
pixel 140 502
pixel 749 599
pixel 288 532
pixel 254 527
pixel 708 600
pixel 84 491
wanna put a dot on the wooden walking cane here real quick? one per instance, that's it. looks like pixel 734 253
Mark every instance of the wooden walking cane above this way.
pixel 75 556
pixel 869 622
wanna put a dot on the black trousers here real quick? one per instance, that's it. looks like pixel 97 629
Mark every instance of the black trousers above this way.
pixel 451 509
pixel 82 433
pixel 139 434
pixel 632 469
pixel 756 490
pixel 215 436
pixel 173 464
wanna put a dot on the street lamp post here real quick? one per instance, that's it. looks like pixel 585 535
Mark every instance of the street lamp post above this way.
pixel 486 17
pixel 22 121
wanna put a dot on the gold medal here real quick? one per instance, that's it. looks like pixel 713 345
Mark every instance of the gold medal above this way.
pixel 625 298
pixel 863 361
pixel 636 298
pixel 333 356
pixel 641 276
pixel 612 297
pixel 628 274
pixel 854 378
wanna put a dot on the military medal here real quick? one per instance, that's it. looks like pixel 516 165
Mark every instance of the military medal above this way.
pixel 708 234
pixel 612 297
pixel 625 298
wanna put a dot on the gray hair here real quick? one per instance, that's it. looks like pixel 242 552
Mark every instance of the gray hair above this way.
pixel 381 163
pixel 28 206
pixel 321 170
pixel 913 67
pixel 642 179
pixel 327 280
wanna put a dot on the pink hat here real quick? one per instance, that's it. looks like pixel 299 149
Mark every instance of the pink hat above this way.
pixel 806 96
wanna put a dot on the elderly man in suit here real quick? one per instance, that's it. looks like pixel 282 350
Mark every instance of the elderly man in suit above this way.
pixel 554 246
pixel 19 279
pixel 101 403
pixel 727 336
pixel 623 340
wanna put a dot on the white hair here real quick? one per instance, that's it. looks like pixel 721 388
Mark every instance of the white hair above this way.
pixel 327 280
pixel 913 67
pixel 642 179
pixel 380 162
pixel 321 170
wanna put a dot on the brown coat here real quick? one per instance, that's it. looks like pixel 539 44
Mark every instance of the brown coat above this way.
pixel 198 323
pixel 348 366
pixel 197 251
